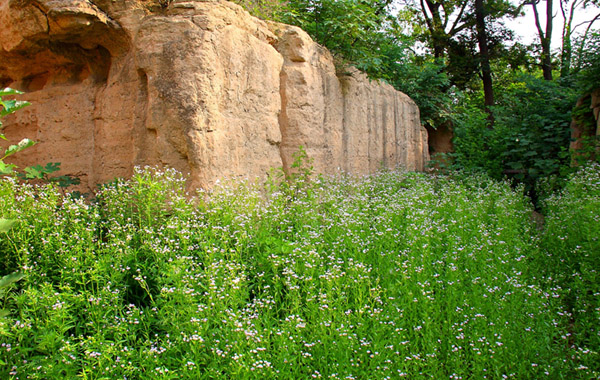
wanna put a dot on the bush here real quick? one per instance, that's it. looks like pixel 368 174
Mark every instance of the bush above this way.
pixel 530 136
pixel 478 148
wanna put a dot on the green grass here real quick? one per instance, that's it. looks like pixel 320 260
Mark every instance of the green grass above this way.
pixel 388 276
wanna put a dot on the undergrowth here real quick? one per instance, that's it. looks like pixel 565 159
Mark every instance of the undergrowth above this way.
pixel 388 276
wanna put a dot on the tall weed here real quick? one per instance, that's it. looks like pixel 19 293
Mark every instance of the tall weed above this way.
pixel 571 265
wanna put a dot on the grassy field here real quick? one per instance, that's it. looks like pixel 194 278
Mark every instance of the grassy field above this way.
pixel 388 276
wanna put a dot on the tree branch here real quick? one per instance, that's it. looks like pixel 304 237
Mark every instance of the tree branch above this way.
pixel 586 22
pixel 427 19
pixel 458 18
pixel 537 19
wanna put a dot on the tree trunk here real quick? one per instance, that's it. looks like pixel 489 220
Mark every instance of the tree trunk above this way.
pixel 546 48
pixel 567 47
pixel 486 71
pixel 545 37
pixel 566 55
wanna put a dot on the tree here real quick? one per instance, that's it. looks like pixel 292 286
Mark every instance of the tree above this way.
pixel 545 36
pixel 486 72
pixel 354 30
pixel 466 35
pixel 444 21
pixel 568 10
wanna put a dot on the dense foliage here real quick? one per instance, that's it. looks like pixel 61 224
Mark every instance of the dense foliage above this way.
pixel 388 276
pixel 531 134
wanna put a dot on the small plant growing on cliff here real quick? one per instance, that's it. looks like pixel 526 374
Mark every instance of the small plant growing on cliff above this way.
pixel 7 107
pixel 36 172
pixel 296 180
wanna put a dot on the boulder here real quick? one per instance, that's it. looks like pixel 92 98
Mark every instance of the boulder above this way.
pixel 197 85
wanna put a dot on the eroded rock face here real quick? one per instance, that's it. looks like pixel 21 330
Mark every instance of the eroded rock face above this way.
pixel 200 86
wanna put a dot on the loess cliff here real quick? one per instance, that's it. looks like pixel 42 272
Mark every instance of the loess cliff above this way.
pixel 200 86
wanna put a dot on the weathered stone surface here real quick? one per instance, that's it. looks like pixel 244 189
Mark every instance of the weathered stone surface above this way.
pixel 595 106
pixel 200 86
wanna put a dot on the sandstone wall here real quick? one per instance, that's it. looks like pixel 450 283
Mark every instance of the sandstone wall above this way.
pixel 595 107
pixel 200 86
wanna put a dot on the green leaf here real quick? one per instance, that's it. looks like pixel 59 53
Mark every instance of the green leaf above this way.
pixel 533 172
pixel 10 279
pixel 33 172
pixel 66 181
pixel 5 283
pixel 39 171
pixel 9 91
pixel 23 144
pixel 52 167
pixel 515 165
pixel 10 106
pixel 6 224
pixel 6 169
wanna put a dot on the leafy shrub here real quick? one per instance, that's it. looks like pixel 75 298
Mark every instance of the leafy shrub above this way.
pixel 478 148
pixel 535 117
pixel 264 9
pixel 6 282
pixel 530 136
pixel 353 30
pixel 427 84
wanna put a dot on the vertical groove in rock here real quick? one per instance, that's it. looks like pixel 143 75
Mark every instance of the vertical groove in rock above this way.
pixel 395 131
pixel 345 158
pixel 97 125
pixel 144 132
pixel 384 134
pixel 143 94
pixel 371 138
pixel 283 119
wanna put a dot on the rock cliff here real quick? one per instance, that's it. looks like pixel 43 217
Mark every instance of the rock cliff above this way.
pixel 197 85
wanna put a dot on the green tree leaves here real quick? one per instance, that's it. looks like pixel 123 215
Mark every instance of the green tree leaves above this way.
pixel 354 30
